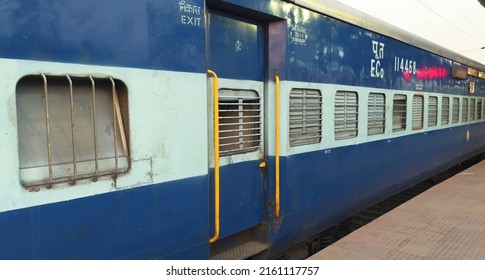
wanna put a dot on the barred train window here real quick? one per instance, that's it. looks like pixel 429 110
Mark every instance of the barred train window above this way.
pixel 399 112
pixel 417 113
pixel 456 110
pixel 346 115
pixel 239 121
pixel 483 109
pixel 472 109
pixel 376 117
pixel 305 117
pixel 71 128
pixel 479 109
pixel 464 110
pixel 445 110
pixel 432 111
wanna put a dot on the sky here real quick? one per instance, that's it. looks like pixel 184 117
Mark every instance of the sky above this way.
pixel 458 25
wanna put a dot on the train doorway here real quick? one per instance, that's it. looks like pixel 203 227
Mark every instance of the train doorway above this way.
pixel 236 57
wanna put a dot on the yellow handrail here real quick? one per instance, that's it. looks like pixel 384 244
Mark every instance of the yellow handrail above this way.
pixel 277 145
pixel 216 158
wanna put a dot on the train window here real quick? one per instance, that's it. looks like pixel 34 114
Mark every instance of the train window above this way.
pixel 417 112
pixel 376 108
pixel 472 109
pixel 483 110
pixel 464 110
pixel 239 121
pixel 305 117
pixel 71 128
pixel 432 111
pixel 346 115
pixel 479 109
pixel 399 112
pixel 456 110
pixel 445 110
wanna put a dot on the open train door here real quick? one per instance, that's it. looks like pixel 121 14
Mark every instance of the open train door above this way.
pixel 236 75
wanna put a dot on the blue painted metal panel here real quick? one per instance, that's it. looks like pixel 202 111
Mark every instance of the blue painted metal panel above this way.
pixel 320 189
pixel 242 197
pixel 321 49
pixel 170 36
pixel 330 51
pixel 236 47
pixel 144 34
pixel 168 220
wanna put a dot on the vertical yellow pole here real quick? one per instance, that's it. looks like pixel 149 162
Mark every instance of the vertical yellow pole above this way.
pixel 277 146
pixel 216 158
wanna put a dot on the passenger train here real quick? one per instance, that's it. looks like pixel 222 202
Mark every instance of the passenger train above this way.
pixel 216 129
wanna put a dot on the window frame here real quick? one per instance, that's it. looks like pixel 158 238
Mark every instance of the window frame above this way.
pixel 417 114
pixel 473 110
pixel 479 109
pixel 445 107
pixel 240 121
pixel 308 129
pixel 432 111
pixel 374 110
pixel 71 119
pixel 399 112
pixel 455 110
pixel 465 115
pixel 346 115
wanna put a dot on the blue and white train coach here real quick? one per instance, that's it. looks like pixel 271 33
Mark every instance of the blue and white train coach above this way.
pixel 108 122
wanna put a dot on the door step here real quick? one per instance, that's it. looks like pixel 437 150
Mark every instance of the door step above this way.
pixel 241 251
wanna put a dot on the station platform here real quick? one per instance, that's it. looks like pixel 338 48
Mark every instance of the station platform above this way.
pixel 446 222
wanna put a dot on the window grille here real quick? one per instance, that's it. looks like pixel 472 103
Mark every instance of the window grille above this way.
pixel 456 110
pixel 71 128
pixel 472 109
pixel 483 109
pixel 346 115
pixel 239 121
pixel 305 117
pixel 464 110
pixel 479 109
pixel 432 111
pixel 376 121
pixel 399 113
pixel 445 110
pixel 417 112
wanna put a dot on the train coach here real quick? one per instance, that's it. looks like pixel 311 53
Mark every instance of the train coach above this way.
pixel 215 129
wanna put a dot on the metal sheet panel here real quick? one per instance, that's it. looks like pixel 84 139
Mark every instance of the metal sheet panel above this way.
pixel 235 47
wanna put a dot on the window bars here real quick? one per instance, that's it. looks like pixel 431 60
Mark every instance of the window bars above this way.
pixel 399 113
pixel 70 128
pixel 376 116
pixel 417 112
pixel 464 110
pixel 305 117
pixel 472 109
pixel 239 121
pixel 445 110
pixel 432 111
pixel 455 110
pixel 479 109
pixel 346 115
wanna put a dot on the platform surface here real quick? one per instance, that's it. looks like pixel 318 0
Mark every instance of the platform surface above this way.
pixel 446 222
